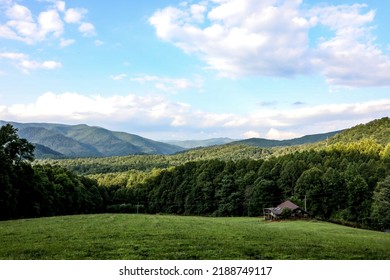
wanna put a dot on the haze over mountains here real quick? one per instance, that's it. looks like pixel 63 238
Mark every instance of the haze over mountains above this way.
pixel 71 141
pixel 190 144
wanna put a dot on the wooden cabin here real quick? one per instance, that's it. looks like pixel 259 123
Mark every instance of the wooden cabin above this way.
pixel 293 211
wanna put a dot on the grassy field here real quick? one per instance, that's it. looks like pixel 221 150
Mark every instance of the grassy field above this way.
pixel 121 236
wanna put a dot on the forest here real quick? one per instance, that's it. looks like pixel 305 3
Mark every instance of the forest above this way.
pixel 342 181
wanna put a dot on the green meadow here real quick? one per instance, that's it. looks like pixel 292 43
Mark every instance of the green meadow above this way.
pixel 153 237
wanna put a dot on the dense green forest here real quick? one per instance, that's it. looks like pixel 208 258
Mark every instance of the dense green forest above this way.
pixel 343 181
pixel 41 190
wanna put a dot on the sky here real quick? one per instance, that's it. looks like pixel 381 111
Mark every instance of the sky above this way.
pixel 179 70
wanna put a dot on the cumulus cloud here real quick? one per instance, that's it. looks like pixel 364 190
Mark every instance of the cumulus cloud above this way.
pixel 148 110
pixel 252 134
pixel 239 37
pixel 22 25
pixel 87 29
pixel 280 135
pixel 273 38
pixel 50 22
pixel 157 114
pixel 61 5
pixel 22 61
pixel 74 15
pixel 32 65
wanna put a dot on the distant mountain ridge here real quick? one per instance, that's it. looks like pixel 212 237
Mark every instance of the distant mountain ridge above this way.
pixel 377 130
pixel 59 140
pixel 71 141
pixel 266 143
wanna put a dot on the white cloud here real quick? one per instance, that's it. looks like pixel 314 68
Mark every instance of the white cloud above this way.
pixel 50 22
pixel 74 15
pixel 23 62
pixel 148 110
pixel 22 25
pixel 157 114
pixel 252 134
pixel 61 5
pixel 274 38
pixel 242 37
pixel 280 135
pixel 51 65
pixel 66 42
pixel 19 12
pixel 27 65
pixel 87 29
pixel 13 56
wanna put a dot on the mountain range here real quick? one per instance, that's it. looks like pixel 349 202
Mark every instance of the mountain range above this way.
pixel 73 141
pixel 62 141
pixel 266 143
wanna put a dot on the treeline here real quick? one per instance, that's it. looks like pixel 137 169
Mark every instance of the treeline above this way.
pixel 145 163
pixel 348 183
pixel 341 183
pixel 378 130
pixel 48 191
pixel 41 190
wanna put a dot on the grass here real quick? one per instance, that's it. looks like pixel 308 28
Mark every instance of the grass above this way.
pixel 122 236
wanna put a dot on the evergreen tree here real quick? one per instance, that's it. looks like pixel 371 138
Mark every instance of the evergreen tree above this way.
pixel 380 212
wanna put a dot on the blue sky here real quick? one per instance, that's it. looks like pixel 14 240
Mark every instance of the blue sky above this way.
pixel 169 69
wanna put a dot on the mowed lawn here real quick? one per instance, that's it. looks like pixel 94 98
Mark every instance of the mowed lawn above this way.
pixel 122 236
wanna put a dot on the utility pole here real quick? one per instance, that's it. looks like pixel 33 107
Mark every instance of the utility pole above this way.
pixel 305 204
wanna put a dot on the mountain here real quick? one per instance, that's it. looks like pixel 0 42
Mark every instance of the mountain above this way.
pixel 45 152
pixel 266 143
pixel 59 140
pixel 190 144
pixel 377 130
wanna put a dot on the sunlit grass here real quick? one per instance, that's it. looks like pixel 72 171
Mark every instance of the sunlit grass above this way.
pixel 121 236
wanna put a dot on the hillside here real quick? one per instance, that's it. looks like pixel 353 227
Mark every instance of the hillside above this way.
pixel 67 141
pixel 162 237
pixel 339 182
pixel 266 143
pixel 59 140
pixel 377 130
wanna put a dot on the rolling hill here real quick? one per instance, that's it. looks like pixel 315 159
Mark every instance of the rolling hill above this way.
pixel 164 237
pixel 377 130
pixel 266 143
pixel 59 140
pixel 72 141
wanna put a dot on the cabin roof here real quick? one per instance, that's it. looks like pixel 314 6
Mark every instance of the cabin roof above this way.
pixel 287 204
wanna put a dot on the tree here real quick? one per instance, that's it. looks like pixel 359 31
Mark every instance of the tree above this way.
pixel 265 194
pixel 14 152
pixel 291 171
pixel 13 149
pixel 310 185
pixel 380 212
pixel 334 185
